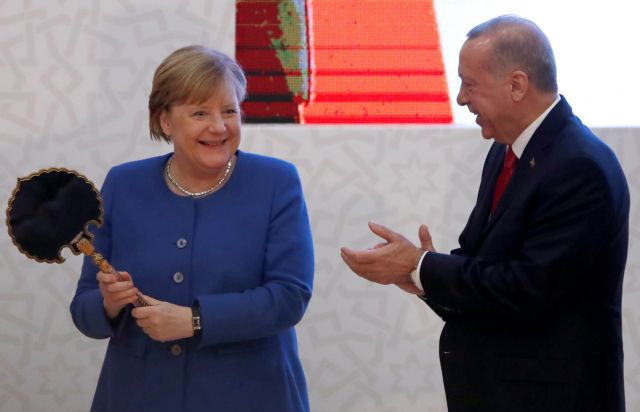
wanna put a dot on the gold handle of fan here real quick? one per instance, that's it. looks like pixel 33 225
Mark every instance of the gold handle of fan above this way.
pixel 85 246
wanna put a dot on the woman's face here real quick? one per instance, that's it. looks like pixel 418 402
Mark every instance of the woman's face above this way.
pixel 205 135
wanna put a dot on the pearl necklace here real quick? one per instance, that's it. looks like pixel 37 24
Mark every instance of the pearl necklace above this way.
pixel 196 194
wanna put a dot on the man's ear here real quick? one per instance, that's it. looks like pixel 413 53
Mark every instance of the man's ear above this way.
pixel 519 82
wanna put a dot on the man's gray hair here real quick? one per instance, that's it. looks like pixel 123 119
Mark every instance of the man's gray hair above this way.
pixel 522 46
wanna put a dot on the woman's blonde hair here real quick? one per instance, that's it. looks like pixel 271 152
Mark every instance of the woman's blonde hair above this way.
pixel 191 74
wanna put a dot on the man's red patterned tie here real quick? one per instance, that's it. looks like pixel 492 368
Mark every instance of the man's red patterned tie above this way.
pixel 510 161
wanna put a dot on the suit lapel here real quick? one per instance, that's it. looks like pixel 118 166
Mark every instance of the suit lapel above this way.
pixel 521 181
pixel 475 227
pixel 531 162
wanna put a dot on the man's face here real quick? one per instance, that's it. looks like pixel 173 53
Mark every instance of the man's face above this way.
pixel 486 94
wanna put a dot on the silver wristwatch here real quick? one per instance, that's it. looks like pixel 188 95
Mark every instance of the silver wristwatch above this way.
pixel 195 320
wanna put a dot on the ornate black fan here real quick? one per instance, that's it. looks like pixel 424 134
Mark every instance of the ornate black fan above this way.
pixel 51 209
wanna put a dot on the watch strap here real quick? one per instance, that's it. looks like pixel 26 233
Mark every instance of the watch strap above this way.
pixel 196 320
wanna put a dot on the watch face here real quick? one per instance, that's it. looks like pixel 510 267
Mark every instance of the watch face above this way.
pixel 196 323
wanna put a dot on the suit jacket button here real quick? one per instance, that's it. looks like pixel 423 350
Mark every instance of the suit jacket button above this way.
pixel 176 350
pixel 178 277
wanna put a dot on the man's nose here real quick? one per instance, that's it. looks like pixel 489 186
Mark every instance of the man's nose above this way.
pixel 462 98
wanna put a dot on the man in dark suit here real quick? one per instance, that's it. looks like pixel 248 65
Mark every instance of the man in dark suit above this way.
pixel 532 297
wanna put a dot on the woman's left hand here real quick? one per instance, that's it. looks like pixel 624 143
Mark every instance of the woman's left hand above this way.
pixel 164 321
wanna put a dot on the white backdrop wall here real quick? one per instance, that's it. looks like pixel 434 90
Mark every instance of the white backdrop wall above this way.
pixel 75 76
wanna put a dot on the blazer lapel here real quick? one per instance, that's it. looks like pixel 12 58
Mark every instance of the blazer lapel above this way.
pixel 472 235
pixel 520 181
pixel 531 161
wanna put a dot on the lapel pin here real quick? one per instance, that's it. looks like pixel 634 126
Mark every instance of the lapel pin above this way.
pixel 532 162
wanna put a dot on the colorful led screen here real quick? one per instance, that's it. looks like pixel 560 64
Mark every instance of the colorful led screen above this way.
pixel 330 61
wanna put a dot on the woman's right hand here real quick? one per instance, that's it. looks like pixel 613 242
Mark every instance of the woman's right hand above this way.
pixel 116 294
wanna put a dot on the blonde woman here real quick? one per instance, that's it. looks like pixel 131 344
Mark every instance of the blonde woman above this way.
pixel 219 242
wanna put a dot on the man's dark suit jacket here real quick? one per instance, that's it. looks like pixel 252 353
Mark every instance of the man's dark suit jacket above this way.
pixel 531 299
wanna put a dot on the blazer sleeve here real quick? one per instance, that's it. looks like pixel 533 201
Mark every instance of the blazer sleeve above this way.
pixel 575 214
pixel 87 310
pixel 282 298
